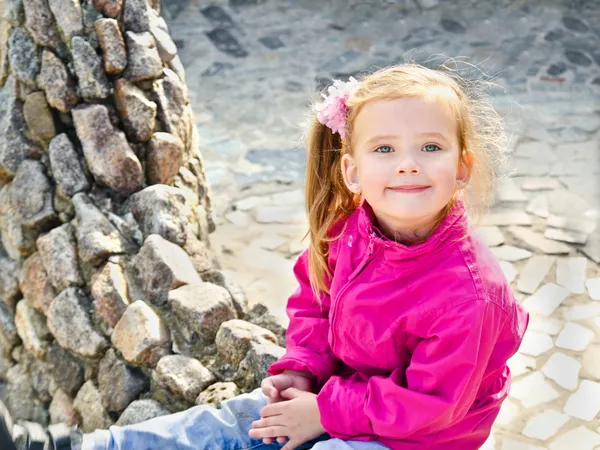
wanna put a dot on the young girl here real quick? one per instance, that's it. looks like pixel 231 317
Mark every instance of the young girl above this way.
pixel 403 321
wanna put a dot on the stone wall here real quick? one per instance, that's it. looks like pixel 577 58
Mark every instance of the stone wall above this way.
pixel 112 306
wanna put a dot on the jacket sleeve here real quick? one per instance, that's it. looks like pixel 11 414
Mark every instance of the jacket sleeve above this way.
pixel 436 390
pixel 307 344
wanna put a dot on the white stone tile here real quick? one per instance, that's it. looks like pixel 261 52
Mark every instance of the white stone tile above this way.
pixel 270 241
pixel 580 438
pixel 510 272
pixel 538 242
pixel 582 312
pixel 574 337
pixel 534 343
pixel 591 363
pixel 570 273
pixel 540 184
pixel 597 322
pixel 585 403
pixel 546 299
pixel 533 390
pixel 534 272
pixel 490 235
pixel 545 425
pixel 548 325
pixel 511 444
pixel 503 217
pixel 571 223
pixel 593 287
pixel 520 364
pixel 510 253
pixel 508 411
pixel 246 204
pixel 280 214
pixel 538 206
pixel 508 191
pixel 238 218
pixel 569 236
pixel 563 369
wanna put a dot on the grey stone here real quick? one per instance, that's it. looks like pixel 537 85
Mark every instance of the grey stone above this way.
pixel 20 398
pixel 18 241
pixel 62 411
pixel 159 29
pixel 56 80
pixel 177 67
pixel 260 315
pixel 136 16
pixel 41 379
pixel 93 83
pixel 32 195
pixel 238 296
pixel 88 403
pixel 128 227
pixel 216 394
pixel 41 24
pixel 110 292
pixel 38 117
pixel 183 376
pixel 68 17
pixel 234 338
pixel 143 60
pixel 201 309
pixel 5 33
pixel 24 56
pixel 112 45
pixel 118 383
pixel 162 210
pixel 67 370
pixel 140 411
pixel 165 157
pixel 202 258
pixel 97 237
pixel 59 256
pixel 9 286
pixel 32 329
pixel 70 323
pixel 107 152
pixel 138 113
pixel 13 12
pixel 8 332
pixel 14 147
pixel 110 8
pixel 163 266
pixel 253 369
pixel 141 335
pixel 66 166
pixel 173 108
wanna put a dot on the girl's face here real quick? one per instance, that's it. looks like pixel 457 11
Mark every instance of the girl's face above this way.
pixel 405 162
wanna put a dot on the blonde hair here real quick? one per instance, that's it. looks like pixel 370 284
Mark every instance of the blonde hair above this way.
pixel 480 135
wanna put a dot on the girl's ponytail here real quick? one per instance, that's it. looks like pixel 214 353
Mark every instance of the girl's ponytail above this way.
pixel 327 199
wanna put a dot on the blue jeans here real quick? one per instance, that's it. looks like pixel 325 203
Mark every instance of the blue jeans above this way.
pixel 206 428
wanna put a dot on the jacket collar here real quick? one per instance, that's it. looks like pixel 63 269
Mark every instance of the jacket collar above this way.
pixel 452 228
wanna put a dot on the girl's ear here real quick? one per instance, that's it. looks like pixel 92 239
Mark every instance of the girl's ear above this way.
pixel 464 170
pixel 350 173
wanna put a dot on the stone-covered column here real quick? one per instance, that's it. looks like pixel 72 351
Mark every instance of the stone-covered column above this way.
pixel 111 301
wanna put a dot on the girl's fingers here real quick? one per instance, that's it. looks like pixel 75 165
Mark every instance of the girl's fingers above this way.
pixel 281 439
pixel 291 445
pixel 267 422
pixel 269 432
pixel 267 441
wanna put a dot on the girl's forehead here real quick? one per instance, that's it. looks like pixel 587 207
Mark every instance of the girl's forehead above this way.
pixel 402 116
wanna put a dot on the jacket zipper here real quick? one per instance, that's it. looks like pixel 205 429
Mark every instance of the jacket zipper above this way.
pixel 363 264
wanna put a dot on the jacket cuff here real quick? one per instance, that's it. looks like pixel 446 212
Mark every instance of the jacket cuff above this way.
pixel 301 359
pixel 342 405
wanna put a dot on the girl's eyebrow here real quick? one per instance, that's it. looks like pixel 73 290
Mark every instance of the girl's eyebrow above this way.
pixel 392 136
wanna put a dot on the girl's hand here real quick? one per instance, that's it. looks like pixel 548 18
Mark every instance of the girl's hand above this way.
pixel 272 386
pixel 298 418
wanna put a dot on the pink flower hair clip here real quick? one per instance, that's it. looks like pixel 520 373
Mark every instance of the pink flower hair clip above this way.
pixel 332 111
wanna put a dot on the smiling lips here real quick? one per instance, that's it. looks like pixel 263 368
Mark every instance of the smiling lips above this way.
pixel 410 188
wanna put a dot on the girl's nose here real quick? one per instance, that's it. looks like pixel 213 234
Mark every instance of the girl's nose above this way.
pixel 408 165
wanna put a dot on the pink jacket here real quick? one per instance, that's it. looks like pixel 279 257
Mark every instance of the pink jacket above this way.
pixel 410 347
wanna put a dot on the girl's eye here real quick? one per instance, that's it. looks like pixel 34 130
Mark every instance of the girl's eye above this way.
pixel 384 149
pixel 431 148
